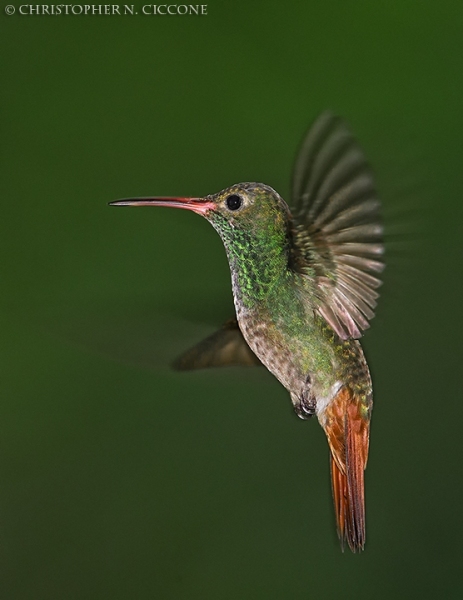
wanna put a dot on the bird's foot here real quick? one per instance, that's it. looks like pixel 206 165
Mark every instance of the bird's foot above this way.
pixel 306 405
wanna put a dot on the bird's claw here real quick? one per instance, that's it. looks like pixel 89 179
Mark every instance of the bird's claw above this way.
pixel 306 406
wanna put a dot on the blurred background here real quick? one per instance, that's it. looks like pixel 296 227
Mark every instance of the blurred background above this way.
pixel 121 479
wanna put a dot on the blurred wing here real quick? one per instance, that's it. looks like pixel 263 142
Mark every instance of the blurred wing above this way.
pixel 337 230
pixel 225 347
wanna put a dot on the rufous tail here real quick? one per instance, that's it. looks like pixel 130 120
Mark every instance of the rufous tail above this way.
pixel 347 431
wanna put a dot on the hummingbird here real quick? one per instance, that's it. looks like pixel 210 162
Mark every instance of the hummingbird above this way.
pixel 304 279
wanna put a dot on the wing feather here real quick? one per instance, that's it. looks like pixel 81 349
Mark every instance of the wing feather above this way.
pixel 337 231
pixel 225 347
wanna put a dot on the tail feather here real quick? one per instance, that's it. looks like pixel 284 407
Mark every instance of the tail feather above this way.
pixel 339 485
pixel 347 433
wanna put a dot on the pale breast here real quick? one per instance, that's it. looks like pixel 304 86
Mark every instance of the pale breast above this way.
pixel 266 343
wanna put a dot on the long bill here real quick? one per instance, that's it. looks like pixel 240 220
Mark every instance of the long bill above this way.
pixel 197 205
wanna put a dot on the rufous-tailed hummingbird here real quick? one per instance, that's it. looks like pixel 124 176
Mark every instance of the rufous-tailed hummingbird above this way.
pixel 304 291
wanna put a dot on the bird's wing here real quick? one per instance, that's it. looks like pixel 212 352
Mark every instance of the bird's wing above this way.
pixel 337 236
pixel 225 347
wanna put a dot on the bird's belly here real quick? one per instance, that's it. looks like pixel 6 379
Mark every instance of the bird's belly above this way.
pixel 285 358
pixel 270 350
pixel 300 362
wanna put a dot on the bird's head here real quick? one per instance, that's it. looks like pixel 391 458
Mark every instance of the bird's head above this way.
pixel 245 212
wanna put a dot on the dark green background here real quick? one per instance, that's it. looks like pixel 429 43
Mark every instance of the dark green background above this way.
pixel 121 480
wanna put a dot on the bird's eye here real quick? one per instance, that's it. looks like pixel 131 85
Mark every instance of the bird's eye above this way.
pixel 234 202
